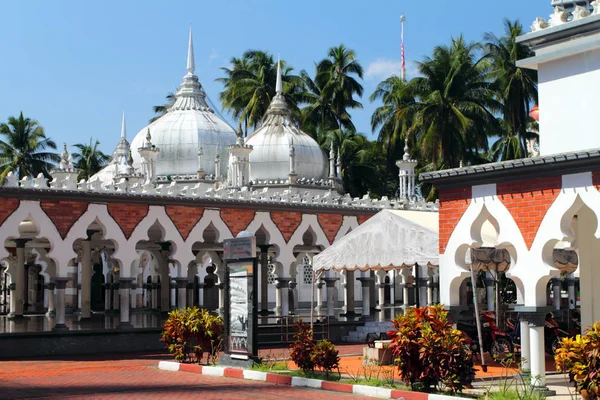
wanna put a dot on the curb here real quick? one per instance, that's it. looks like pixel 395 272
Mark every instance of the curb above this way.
pixel 297 381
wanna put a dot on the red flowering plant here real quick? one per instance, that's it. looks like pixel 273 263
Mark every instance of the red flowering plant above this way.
pixel 429 352
pixel 302 349
pixel 325 357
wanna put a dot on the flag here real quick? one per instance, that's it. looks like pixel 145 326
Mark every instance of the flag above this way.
pixel 403 59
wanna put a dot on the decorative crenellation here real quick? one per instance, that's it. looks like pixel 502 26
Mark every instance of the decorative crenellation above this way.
pixel 138 185
pixel 566 11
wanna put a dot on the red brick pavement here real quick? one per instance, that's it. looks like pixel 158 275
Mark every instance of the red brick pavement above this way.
pixel 131 377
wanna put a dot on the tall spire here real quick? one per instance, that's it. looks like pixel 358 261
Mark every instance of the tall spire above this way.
pixel 123 130
pixel 191 65
pixel 278 84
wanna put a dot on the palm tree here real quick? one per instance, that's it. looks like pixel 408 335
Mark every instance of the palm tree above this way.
pixel 337 79
pixel 318 116
pixel 516 87
pixel 393 118
pixel 162 109
pixel 89 160
pixel 250 86
pixel 23 146
pixel 453 114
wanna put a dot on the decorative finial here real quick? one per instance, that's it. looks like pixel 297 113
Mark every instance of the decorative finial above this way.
pixel 406 156
pixel 149 138
pixel 278 84
pixel 191 66
pixel 123 130
pixel 130 159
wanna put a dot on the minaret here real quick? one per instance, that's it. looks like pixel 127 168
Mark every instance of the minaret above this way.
pixel 331 162
pixel 217 165
pixel 407 174
pixel 121 155
pixel 191 63
pixel 292 176
pixel 338 165
pixel 278 82
pixel 148 153
pixel 200 154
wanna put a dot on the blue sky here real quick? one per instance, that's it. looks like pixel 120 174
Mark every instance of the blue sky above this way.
pixel 74 65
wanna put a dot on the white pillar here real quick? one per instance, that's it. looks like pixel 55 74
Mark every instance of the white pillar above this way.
pixel 381 295
pixel 51 299
pixel 406 295
pixel 165 281
pixel 17 295
pixel 200 295
pixel 393 288
pixel 61 285
pixel 430 292
pixel 133 295
pixel 330 283
pixel 283 296
pixel 525 347
pixel 86 279
pixel 221 299
pixel 366 295
pixel 319 305
pixel 491 294
pixel 349 293
pixel 173 294
pixel 107 297
pixel 557 288
pixel 124 289
pixel 537 355
pixel 181 292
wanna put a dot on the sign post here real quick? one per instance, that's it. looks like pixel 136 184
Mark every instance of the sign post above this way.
pixel 241 303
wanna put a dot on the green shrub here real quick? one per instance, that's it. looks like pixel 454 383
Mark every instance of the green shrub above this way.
pixel 190 332
pixel 580 358
pixel 325 356
pixel 302 349
pixel 429 352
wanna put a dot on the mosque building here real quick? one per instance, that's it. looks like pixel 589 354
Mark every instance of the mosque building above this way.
pixel 146 232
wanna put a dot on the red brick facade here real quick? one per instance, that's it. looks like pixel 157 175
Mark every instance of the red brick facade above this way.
pixel 362 219
pixel 286 222
pixel 528 201
pixel 7 207
pixel 184 218
pixel 236 220
pixel 128 216
pixel 330 223
pixel 453 204
pixel 64 213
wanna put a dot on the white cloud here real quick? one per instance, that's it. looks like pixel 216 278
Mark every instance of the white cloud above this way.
pixel 382 68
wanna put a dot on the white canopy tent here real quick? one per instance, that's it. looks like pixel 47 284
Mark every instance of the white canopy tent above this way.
pixel 389 240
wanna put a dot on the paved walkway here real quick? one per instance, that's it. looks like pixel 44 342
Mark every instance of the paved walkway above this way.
pixel 132 377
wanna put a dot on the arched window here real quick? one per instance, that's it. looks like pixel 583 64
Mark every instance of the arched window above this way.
pixel 307 270
pixel 271 271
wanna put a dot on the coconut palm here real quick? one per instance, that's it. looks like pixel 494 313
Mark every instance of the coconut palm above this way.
pixel 89 160
pixel 318 116
pixel 24 148
pixel 337 79
pixel 516 87
pixel 250 86
pixel 393 118
pixel 162 109
pixel 453 114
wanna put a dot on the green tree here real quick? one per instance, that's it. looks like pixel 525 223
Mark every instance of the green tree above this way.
pixel 453 114
pixel 249 86
pixel 336 77
pixel 162 109
pixel 24 148
pixel 89 160
pixel 394 117
pixel 516 89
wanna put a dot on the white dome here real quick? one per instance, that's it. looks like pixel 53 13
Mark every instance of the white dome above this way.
pixel 270 157
pixel 188 124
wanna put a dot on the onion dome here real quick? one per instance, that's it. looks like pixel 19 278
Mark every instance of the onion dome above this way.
pixel 271 142
pixel 188 124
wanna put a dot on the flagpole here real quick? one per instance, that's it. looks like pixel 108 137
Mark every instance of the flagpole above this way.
pixel 402 20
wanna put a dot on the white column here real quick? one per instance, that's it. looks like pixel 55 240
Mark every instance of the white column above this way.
pixel 557 287
pixel 537 355
pixel 330 283
pixel 349 292
pixel 165 281
pixel 491 294
pixel 283 295
pixel 525 347
pixel 133 295
pixel 51 299
pixel 173 294
pixel 430 292
pixel 221 299
pixel 86 279
pixel 181 292
pixel 393 288
pixel 17 295
pixel 107 297
pixel 366 295
pixel 406 295
pixel 319 305
pixel 124 289
pixel 61 285
pixel 201 294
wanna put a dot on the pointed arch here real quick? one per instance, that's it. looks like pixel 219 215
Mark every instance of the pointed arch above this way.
pixel 309 222
pixel 349 223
